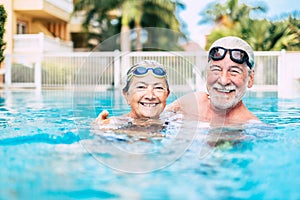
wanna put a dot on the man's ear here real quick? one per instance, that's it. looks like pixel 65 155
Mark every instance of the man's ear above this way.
pixel 251 78
pixel 126 96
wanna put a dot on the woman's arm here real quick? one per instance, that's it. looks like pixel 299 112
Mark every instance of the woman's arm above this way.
pixel 103 118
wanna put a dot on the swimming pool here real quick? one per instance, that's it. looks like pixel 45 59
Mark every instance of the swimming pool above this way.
pixel 45 152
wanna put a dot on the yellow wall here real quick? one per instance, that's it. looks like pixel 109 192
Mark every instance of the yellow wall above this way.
pixel 28 4
pixel 39 15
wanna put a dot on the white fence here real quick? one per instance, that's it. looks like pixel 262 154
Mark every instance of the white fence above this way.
pixel 186 70
pixel 101 69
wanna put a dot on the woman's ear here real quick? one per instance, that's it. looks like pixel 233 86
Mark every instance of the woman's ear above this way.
pixel 168 92
pixel 126 96
pixel 251 78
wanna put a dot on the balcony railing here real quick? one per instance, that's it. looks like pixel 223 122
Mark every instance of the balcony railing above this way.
pixel 40 43
pixel 47 9
pixel 66 5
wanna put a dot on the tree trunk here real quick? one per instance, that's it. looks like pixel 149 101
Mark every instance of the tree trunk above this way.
pixel 124 37
pixel 138 42
pixel 2 74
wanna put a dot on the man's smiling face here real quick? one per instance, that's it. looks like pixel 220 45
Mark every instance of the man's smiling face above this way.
pixel 227 82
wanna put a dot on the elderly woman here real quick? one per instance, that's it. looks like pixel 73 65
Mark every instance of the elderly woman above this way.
pixel 146 91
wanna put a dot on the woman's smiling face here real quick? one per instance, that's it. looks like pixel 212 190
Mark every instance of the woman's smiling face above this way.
pixel 147 96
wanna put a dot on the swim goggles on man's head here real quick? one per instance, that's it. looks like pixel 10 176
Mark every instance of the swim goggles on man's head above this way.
pixel 141 71
pixel 236 55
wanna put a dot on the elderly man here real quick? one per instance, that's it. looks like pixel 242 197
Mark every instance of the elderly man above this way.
pixel 229 73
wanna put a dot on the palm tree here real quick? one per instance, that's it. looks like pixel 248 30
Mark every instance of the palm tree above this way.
pixel 233 18
pixel 230 18
pixel 97 18
pixel 263 35
pixel 228 14
pixel 134 14
pixel 131 11
pixel 292 40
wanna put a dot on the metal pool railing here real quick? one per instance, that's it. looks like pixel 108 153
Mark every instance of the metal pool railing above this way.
pixel 103 70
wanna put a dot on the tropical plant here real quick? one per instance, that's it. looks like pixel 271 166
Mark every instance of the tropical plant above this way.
pixel 128 14
pixel 3 17
pixel 263 35
pixel 229 13
pixel 230 18
pixel 98 16
pixel 292 41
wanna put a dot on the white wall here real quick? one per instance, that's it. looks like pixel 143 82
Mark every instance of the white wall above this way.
pixel 289 75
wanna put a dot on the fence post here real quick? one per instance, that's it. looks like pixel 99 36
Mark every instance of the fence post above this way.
pixel 198 69
pixel 117 69
pixel 41 41
pixel 38 73
pixel 125 63
pixel 197 72
pixel 259 72
pixel 8 65
pixel 283 79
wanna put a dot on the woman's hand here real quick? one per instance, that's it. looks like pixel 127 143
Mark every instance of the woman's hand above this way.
pixel 103 118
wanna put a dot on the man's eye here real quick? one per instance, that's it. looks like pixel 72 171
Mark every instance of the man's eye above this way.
pixel 214 69
pixel 235 71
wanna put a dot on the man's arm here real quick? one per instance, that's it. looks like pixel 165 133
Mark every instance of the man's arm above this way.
pixel 173 107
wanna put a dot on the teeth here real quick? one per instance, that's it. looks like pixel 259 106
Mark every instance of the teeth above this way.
pixel 149 104
pixel 227 91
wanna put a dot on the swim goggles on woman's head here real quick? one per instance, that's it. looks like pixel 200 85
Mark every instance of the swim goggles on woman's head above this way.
pixel 236 55
pixel 143 71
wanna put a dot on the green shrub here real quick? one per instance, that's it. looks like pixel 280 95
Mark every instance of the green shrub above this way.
pixel 3 17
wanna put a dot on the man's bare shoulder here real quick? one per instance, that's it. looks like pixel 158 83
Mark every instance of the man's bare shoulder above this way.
pixel 202 96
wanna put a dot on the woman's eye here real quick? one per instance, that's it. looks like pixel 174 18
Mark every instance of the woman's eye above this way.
pixel 159 88
pixel 140 87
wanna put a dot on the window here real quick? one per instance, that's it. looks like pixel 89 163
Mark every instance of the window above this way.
pixel 22 27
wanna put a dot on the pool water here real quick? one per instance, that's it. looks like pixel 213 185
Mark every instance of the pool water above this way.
pixel 47 151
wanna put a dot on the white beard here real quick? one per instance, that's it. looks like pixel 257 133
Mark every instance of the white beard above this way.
pixel 220 102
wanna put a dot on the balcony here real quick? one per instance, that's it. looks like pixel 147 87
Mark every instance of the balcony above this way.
pixel 25 43
pixel 45 9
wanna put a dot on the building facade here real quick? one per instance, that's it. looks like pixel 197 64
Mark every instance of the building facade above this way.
pixel 37 25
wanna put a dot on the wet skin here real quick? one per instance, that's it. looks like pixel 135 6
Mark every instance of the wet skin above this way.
pixel 227 82
pixel 147 96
